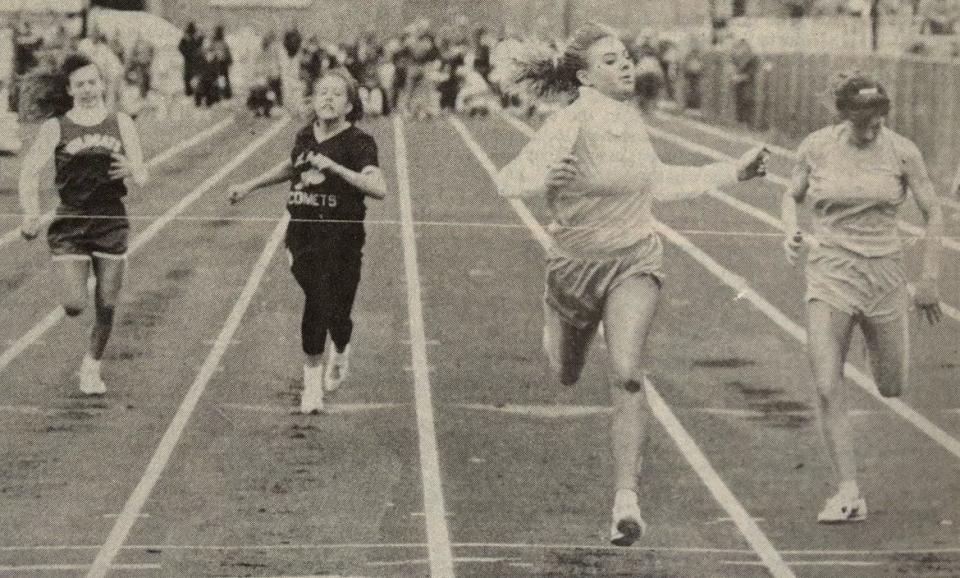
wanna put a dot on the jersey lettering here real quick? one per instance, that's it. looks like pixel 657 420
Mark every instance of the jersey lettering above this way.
pixel 312 199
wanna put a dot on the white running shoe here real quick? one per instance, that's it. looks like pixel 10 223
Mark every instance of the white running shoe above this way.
pixel 840 509
pixel 311 400
pixel 628 525
pixel 90 381
pixel 337 368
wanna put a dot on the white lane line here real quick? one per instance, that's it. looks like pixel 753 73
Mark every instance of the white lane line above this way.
pixel 337 408
pixel 710 153
pixel 748 528
pixel 74 567
pixel 438 534
pixel 164 156
pixel 56 315
pixel 849 563
pixel 539 411
pixel 747 525
pixel 133 507
pixel 744 291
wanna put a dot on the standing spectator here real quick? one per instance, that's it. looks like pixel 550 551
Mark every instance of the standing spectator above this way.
pixel 141 61
pixel 207 92
pixel 692 72
pixel 292 41
pixel 223 60
pixel 190 46
pixel 482 49
pixel 649 75
pixel 745 64
pixel 265 85
pixel 26 44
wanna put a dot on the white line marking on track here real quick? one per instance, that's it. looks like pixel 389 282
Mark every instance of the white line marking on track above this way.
pixel 540 411
pixel 172 151
pixel 336 408
pixel 739 284
pixel 685 443
pixel 73 567
pixel 57 314
pixel 133 507
pixel 769 555
pixel 438 534
pixel 855 563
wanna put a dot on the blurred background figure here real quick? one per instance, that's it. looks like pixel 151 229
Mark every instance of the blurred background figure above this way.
pixel 190 46
pixel 745 64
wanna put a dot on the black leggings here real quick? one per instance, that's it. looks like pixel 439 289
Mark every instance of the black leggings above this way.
pixel 329 282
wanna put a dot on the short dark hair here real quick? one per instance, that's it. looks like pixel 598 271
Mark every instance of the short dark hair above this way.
pixel 74 62
pixel 353 91
pixel 858 91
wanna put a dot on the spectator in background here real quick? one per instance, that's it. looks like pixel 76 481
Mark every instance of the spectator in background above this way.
pixel 116 45
pixel 189 47
pixel 649 75
pixel 692 66
pixel 223 61
pixel 26 44
pixel 138 68
pixel 292 41
pixel 745 65
pixel 207 92
pixel 265 85
pixel 939 16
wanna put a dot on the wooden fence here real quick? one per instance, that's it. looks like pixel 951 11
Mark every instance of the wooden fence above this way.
pixel 793 99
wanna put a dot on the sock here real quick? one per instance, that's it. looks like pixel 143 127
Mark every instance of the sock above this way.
pixel 849 488
pixel 90 365
pixel 625 497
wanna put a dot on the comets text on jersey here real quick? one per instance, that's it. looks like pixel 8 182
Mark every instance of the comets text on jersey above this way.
pixel 91 141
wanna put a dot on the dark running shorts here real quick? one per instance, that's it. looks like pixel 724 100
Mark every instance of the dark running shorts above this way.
pixel 89 232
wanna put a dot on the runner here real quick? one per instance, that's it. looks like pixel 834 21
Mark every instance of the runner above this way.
pixel 333 167
pixel 595 164
pixel 93 151
pixel 854 176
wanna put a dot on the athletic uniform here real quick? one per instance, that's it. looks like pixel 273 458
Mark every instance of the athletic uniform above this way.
pixel 91 219
pixel 325 236
pixel 603 227
pixel 856 264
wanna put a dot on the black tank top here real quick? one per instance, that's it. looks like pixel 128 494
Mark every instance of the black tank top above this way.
pixel 83 158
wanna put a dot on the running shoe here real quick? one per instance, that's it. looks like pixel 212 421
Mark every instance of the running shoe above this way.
pixel 628 525
pixel 311 400
pixel 337 369
pixel 90 381
pixel 840 509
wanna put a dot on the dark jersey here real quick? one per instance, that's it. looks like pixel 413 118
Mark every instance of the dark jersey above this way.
pixel 82 160
pixel 327 212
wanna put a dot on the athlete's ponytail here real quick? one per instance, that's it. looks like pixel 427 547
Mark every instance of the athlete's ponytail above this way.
pixel 540 69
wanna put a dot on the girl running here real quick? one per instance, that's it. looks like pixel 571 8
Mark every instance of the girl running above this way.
pixel 93 151
pixel 333 167
pixel 595 164
pixel 854 176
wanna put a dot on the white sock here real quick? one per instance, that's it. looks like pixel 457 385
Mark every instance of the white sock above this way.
pixel 625 497
pixel 90 364
pixel 849 488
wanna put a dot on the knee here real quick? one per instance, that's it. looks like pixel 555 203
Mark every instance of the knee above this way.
pixel 105 314
pixel 628 379
pixel 74 308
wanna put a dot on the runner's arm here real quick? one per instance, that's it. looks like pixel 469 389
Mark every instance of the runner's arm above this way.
pixel 131 144
pixel 37 157
pixel 369 180
pixel 919 182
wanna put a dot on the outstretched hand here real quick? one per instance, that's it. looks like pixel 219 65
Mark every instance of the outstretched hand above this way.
pixel 753 163
pixel 30 227
pixel 236 193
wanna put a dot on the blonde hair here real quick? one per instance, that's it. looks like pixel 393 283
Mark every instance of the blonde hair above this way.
pixel 544 70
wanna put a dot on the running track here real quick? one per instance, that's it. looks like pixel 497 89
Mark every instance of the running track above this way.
pixel 448 453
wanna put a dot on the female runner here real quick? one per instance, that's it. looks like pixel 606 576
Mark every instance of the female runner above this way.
pixel 333 167
pixel 93 151
pixel 854 176
pixel 594 163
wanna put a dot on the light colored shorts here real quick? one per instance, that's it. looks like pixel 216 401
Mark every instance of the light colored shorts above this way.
pixel 577 287
pixel 874 287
